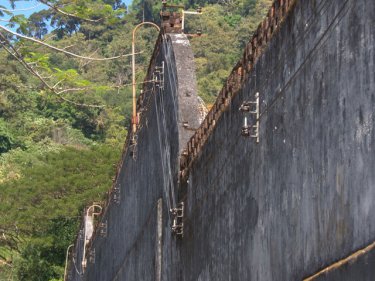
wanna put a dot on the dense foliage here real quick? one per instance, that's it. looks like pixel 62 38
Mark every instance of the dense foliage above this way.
pixel 58 155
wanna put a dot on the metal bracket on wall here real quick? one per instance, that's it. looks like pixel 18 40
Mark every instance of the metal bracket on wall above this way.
pixel 250 130
pixel 92 256
pixel 81 234
pixel 133 147
pixel 103 228
pixel 158 76
pixel 177 219
pixel 116 194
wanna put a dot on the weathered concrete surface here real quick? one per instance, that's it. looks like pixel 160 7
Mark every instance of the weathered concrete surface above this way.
pixel 130 249
pixel 283 209
pixel 75 262
pixel 304 197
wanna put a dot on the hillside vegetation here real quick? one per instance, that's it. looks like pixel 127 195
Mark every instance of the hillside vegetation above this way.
pixel 58 152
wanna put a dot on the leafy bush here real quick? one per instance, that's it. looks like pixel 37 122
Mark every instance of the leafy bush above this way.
pixel 7 141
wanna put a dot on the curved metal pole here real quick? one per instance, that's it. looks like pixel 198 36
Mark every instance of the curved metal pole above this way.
pixel 134 118
pixel 84 237
pixel 93 206
pixel 66 260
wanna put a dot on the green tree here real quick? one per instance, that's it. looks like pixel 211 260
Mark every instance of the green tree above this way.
pixel 59 144
pixel 6 139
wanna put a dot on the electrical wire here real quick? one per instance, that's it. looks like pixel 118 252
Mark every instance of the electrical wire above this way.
pixel 215 183
pixel 307 58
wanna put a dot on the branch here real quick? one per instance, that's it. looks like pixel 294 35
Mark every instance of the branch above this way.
pixel 83 64
pixel 49 36
pixel 67 47
pixel 57 9
pixel 62 50
pixel 10 240
pixel 3 262
pixel 54 86
pixel 20 10
pixel 71 90
pixel 53 7
pixel 19 57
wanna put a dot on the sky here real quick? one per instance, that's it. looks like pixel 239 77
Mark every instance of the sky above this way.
pixel 28 7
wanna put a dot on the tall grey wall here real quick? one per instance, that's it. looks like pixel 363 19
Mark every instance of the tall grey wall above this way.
pixel 138 224
pixel 360 268
pixel 300 200
pixel 304 196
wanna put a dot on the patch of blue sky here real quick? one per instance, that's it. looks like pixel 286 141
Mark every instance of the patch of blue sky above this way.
pixel 27 8
pixel 24 7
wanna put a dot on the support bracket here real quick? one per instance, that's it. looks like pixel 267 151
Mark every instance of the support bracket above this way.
pixel 116 194
pixel 92 256
pixel 133 146
pixel 177 219
pixel 81 234
pixel 247 108
pixel 103 228
pixel 158 76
